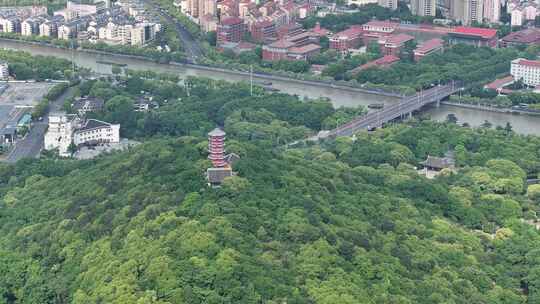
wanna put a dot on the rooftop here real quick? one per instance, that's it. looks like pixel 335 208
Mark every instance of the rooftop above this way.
pixel 527 62
pixel 429 45
pixel 499 83
pixel 217 175
pixel 378 23
pixel 282 44
pixel 305 49
pixel 231 21
pixel 351 32
pixel 384 61
pixel 216 132
pixel 399 39
pixel 94 124
pixel 438 162
pixel 484 33
pixel 526 36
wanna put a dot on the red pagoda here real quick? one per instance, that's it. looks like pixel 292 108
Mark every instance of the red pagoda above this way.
pixel 216 148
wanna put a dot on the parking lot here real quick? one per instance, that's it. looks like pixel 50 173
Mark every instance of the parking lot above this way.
pixel 24 93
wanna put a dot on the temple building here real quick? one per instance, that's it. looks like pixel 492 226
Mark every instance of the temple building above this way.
pixel 221 163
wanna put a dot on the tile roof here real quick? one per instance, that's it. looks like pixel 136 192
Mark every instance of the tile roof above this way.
pixel 527 62
pixel 378 23
pixel 216 132
pixel 429 45
pixel 305 49
pixel 231 21
pixel 526 36
pixel 499 83
pixel 93 124
pixel 351 32
pixel 282 44
pixel 399 39
pixel 476 31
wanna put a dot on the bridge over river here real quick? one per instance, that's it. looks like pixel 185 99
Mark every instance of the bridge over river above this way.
pixel 404 107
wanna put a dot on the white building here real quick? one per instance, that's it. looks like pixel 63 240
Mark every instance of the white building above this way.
pixel 517 17
pixel 96 131
pixel 75 10
pixel 492 11
pixel 526 70
pixel 361 2
pixel 65 129
pixel 4 70
pixel 60 132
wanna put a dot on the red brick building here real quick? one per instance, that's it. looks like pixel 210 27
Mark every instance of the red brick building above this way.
pixel 230 29
pixel 347 39
pixel 393 44
pixel 474 36
pixel 375 30
pixel 428 47
pixel 263 31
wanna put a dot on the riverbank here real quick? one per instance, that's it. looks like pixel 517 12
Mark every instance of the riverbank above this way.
pixel 490 109
pixel 256 75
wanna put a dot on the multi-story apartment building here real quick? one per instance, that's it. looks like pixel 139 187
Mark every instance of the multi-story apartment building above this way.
pixel 30 26
pixel 10 24
pixel 231 29
pixel 361 2
pixel 526 70
pixel 391 4
pixel 347 39
pixel 467 11
pixel 4 70
pixel 423 7
pixel 492 11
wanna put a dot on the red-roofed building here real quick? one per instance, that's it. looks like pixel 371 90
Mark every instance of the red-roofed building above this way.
pixel 319 30
pixel 288 50
pixel 474 36
pixel 526 70
pixel 382 63
pixel 428 47
pixel 263 31
pixel 392 44
pixel 347 39
pixel 524 37
pixel 375 29
pixel 230 29
pixel 289 30
pixel 303 38
pixel 499 84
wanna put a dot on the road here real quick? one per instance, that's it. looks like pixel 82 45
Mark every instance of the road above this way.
pixel 189 43
pixel 31 145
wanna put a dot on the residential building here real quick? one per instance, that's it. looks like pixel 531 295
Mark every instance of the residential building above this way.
pixel 467 11
pixel 526 70
pixel 10 24
pixel 393 44
pixel 48 29
pixel 361 2
pixel 474 36
pixel 492 11
pixel 263 31
pixel 391 4
pixel 4 70
pixel 428 47
pixel 527 36
pixel 231 29
pixel 423 7
pixel 517 17
pixel 530 11
pixel 76 10
pixel 347 39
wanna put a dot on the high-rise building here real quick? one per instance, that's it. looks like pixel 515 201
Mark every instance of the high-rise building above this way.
pixel 467 11
pixel 423 7
pixel 216 148
pixel 492 10
pixel 230 29
pixel 391 4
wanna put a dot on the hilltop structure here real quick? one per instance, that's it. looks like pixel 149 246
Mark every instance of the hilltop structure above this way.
pixel 221 163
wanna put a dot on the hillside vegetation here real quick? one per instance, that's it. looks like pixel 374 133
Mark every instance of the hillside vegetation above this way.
pixel 343 222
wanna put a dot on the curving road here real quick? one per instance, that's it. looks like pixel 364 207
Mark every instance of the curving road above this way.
pixel 189 43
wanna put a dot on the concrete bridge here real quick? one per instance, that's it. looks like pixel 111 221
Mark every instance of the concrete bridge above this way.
pixel 404 108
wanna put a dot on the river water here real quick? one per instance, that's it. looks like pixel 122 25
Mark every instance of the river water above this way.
pixel 521 123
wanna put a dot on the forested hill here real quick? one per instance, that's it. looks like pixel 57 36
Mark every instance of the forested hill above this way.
pixel 341 222
pixel 296 227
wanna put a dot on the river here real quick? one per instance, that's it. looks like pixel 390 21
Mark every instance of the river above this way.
pixel 522 124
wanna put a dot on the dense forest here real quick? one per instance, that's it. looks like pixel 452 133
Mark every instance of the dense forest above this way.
pixel 343 221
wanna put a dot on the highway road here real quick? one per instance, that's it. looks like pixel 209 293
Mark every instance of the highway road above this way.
pixel 31 145
pixel 191 46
